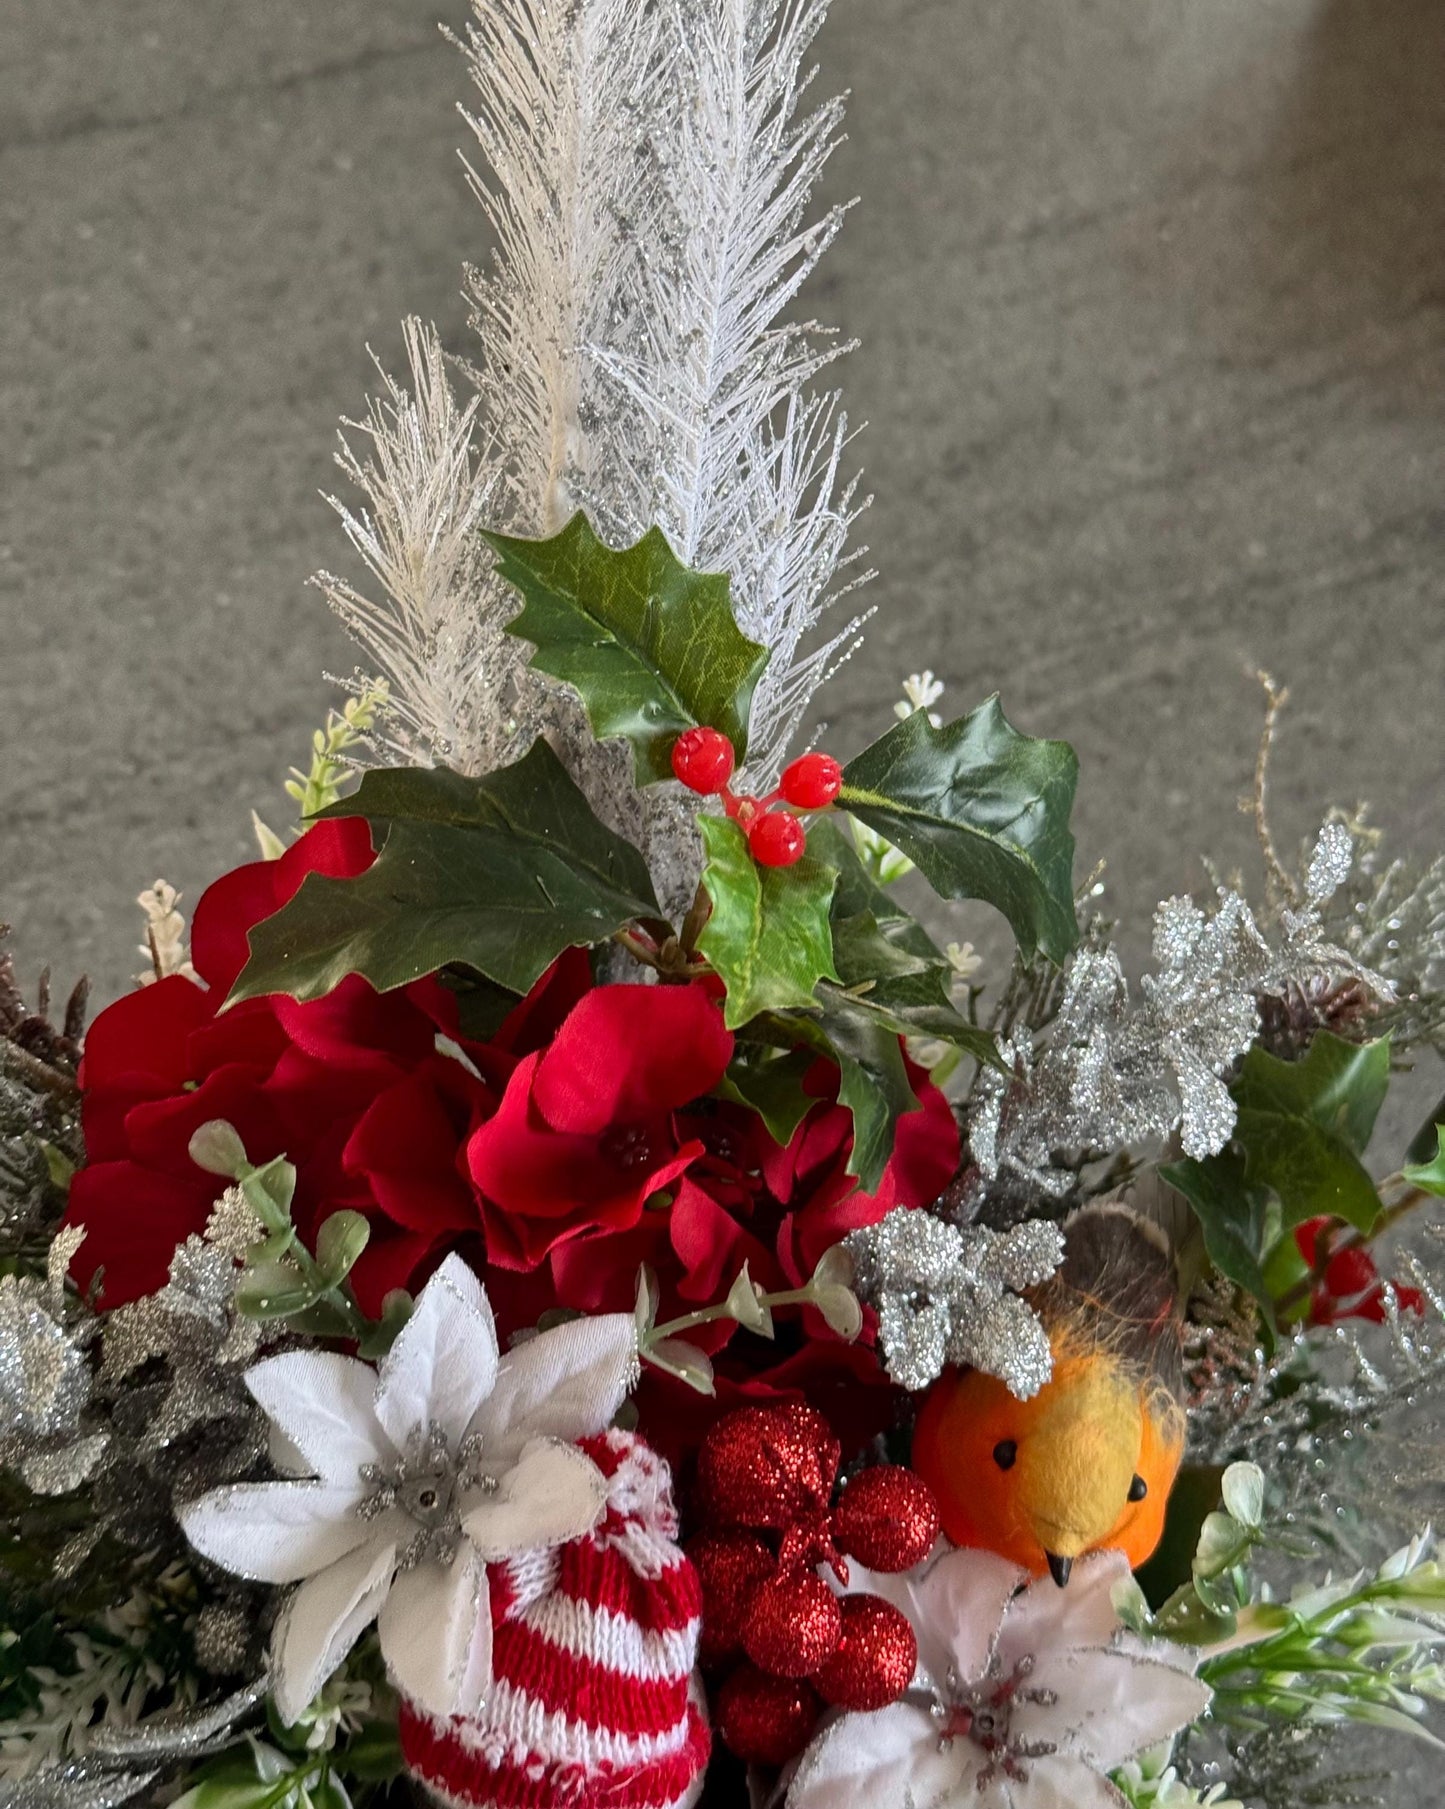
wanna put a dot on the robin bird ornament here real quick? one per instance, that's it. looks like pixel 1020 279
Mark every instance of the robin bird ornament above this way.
pixel 1089 1461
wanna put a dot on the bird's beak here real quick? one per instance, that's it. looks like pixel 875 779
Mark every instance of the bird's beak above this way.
pixel 1059 1568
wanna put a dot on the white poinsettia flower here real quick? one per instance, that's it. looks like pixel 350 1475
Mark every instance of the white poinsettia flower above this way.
pixel 1024 1698
pixel 409 1480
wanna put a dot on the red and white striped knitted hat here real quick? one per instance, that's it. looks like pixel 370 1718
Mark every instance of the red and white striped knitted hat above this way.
pixel 592 1704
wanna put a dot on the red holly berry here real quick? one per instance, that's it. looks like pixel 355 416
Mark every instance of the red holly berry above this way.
pixel 873 1662
pixel 730 1565
pixel 703 760
pixel 812 781
pixel 776 839
pixel 792 1625
pixel 765 1720
pixel 887 1518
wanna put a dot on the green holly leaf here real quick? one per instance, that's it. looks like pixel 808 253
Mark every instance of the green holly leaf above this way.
pixel 984 813
pixel 1302 1127
pixel 1236 1219
pixel 650 647
pixel 768 937
pixel 498 874
pixel 1429 1177
pixel 770 1083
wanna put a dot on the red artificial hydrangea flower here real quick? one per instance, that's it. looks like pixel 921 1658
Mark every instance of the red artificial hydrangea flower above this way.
pixel 1351 1286
pixel 581 1141
pixel 586 1131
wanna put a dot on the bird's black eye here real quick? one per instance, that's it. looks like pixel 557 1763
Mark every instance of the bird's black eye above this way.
pixel 1138 1489
pixel 1004 1453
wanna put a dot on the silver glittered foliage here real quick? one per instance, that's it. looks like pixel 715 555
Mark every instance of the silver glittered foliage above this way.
pixel 144 1408
pixel 646 171
pixel 748 474
pixel 946 1294
pixel 1118 1070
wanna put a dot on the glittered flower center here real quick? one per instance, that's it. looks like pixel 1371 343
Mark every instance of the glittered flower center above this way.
pixel 428 1484
pixel 983 1712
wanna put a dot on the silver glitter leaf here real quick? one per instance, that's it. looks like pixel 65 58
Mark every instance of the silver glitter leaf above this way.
pixel 44 1378
pixel 946 1294
pixel 1118 1071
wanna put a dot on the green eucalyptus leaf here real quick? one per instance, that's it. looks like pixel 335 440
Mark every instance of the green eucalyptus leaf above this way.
pixel 339 1244
pixel 1429 1177
pixel 373 1754
pixel 983 812
pixel 324 1318
pixel 650 647
pixel 273 1290
pixel 768 936
pixel 684 1361
pixel 498 874
pixel 746 1304
pixel 1224 1542
pixel 1235 1218
pixel 269 1191
pixel 1303 1126
pixel 396 1309
pixel 770 1083
pixel 216 1146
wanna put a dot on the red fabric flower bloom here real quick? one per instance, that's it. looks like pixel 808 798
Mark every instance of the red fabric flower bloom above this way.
pixel 586 1132
pixel 1351 1286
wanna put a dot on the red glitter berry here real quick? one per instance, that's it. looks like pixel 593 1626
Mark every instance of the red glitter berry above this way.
pixel 703 760
pixel 730 1564
pixel 765 1720
pixel 887 1518
pixel 809 1425
pixel 875 1657
pixel 792 1625
pixel 812 781
pixel 766 1467
pixel 777 840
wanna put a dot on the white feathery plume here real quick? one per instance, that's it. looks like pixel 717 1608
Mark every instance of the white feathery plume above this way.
pixel 749 474
pixel 428 493
pixel 573 95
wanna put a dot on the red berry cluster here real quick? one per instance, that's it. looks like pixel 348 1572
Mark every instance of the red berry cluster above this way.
pixel 1348 1285
pixel 703 760
pixel 785 1642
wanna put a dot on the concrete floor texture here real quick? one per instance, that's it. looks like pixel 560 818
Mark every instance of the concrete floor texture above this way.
pixel 1152 308
pixel 1152 311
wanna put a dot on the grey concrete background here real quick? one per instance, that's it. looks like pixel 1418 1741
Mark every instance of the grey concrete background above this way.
pixel 1152 302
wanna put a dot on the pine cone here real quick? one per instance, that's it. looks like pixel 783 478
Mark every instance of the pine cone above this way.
pixel 1289 1021
pixel 56 1047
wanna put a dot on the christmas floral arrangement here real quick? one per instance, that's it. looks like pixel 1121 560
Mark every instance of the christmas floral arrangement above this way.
pixel 555 1288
